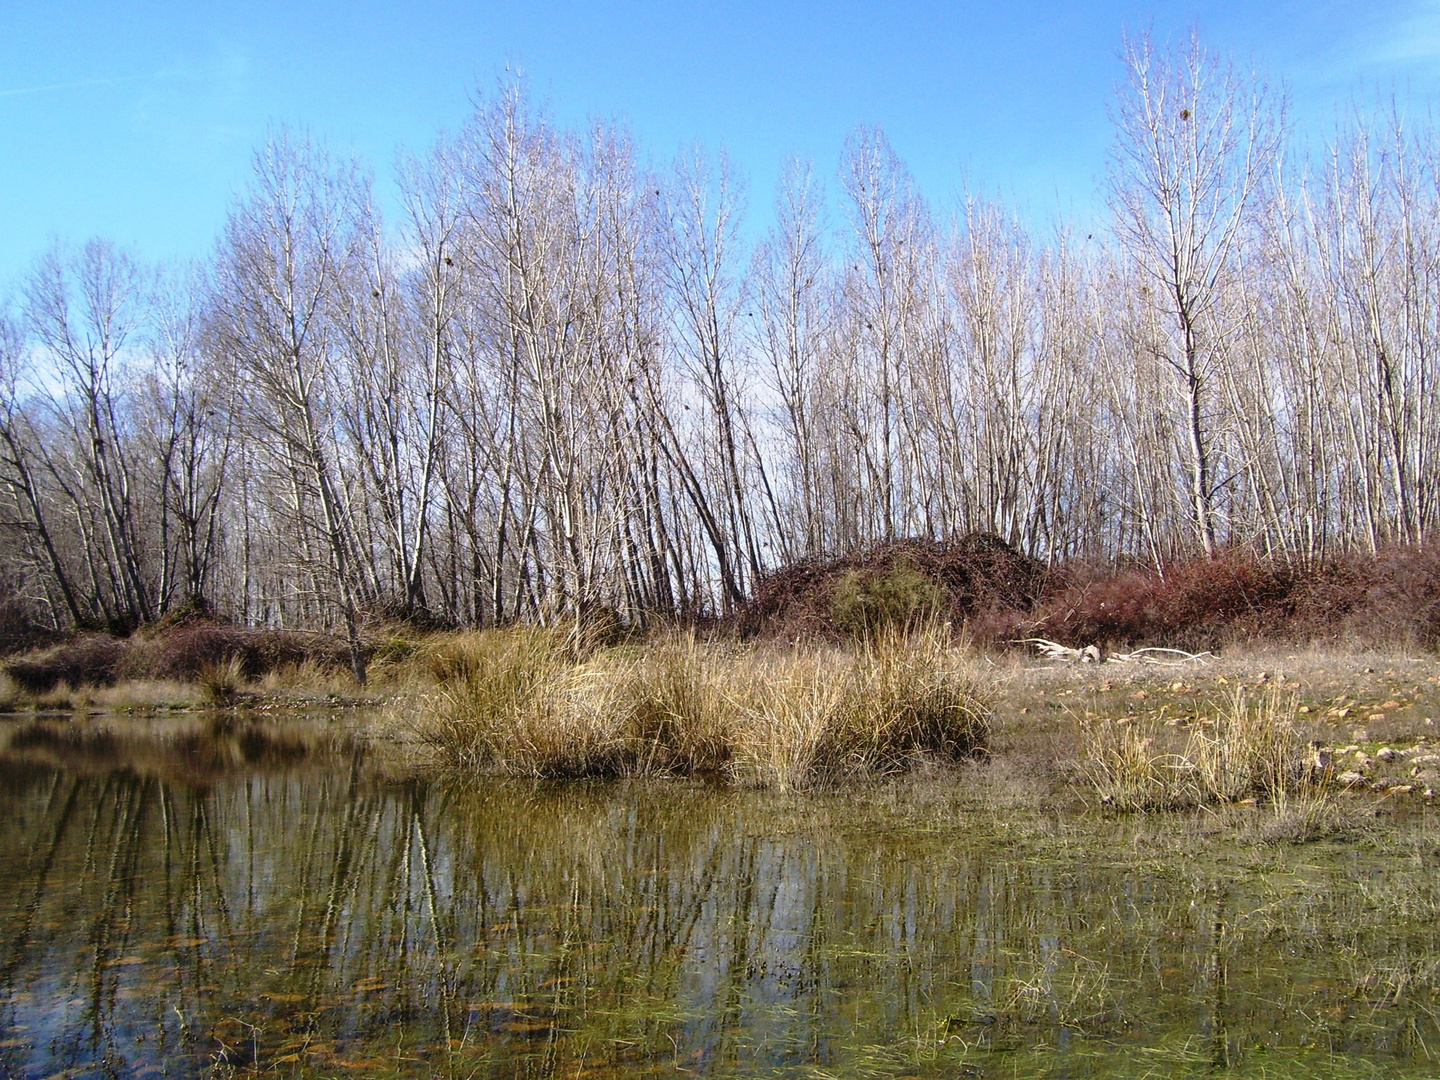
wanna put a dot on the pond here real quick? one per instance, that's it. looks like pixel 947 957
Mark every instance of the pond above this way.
pixel 183 898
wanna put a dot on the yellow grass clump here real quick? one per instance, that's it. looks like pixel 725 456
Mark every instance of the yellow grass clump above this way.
pixel 1248 748
pixel 518 702
pixel 9 694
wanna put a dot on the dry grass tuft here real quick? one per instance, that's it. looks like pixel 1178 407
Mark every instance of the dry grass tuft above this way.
pixel 495 705
pixel 221 680
pixel 139 695
pixel 675 703
pixel 172 652
pixel 10 695
pixel 517 702
pixel 826 714
pixel 1247 748
pixel 310 676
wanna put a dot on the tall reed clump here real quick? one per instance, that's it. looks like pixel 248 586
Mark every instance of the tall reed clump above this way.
pixel 1247 748
pixel 502 706
pixel 519 703
pixel 220 680
pixel 675 702
pixel 825 714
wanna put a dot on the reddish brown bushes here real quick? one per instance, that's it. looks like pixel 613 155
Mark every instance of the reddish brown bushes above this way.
pixel 185 651
pixel 1000 596
pixel 182 651
pixel 1194 605
pixel 1390 599
pixel 84 660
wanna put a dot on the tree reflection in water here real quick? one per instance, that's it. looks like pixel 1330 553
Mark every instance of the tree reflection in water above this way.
pixel 296 909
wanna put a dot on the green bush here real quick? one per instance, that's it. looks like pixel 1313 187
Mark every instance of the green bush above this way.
pixel 867 602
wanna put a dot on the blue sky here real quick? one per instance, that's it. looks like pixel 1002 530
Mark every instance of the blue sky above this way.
pixel 136 121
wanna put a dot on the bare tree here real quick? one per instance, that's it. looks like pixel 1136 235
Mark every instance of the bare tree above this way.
pixel 286 251
pixel 565 388
pixel 18 444
pixel 187 427
pixel 701 208
pixel 83 310
pixel 789 277
pixel 1194 143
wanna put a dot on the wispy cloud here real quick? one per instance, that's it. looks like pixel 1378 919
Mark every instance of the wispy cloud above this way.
pixel 1413 38
pixel 1398 42
pixel 78 84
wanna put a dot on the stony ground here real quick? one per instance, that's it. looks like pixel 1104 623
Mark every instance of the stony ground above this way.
pixel 1375 718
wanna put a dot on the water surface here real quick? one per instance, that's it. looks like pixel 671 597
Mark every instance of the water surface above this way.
pixel 189 899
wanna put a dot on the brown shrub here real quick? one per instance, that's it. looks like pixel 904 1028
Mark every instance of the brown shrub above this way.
pixel 191 648
pixel 84 660
pixel 18 626
pixel 1385 600
pixel 1391 599
pixel 1196 605
pixel 185 651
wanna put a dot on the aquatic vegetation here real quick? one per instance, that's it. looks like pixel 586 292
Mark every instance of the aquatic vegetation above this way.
pixel 1245 748
pixel 520 703
pixel 271 904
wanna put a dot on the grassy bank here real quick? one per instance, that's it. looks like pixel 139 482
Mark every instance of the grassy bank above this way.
pixel 522 703
pixel 1309 745
pixel 1288 729
pixel 533 702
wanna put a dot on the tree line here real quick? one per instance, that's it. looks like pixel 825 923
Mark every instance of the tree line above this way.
pixel 564 381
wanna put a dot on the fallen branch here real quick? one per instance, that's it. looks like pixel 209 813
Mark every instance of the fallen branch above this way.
pixel 1093 654
pixel 1139 657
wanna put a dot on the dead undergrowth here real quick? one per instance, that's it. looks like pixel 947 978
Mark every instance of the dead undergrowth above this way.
pixel 1237 599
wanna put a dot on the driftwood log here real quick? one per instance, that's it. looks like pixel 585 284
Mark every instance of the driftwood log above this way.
pixel 1094 654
